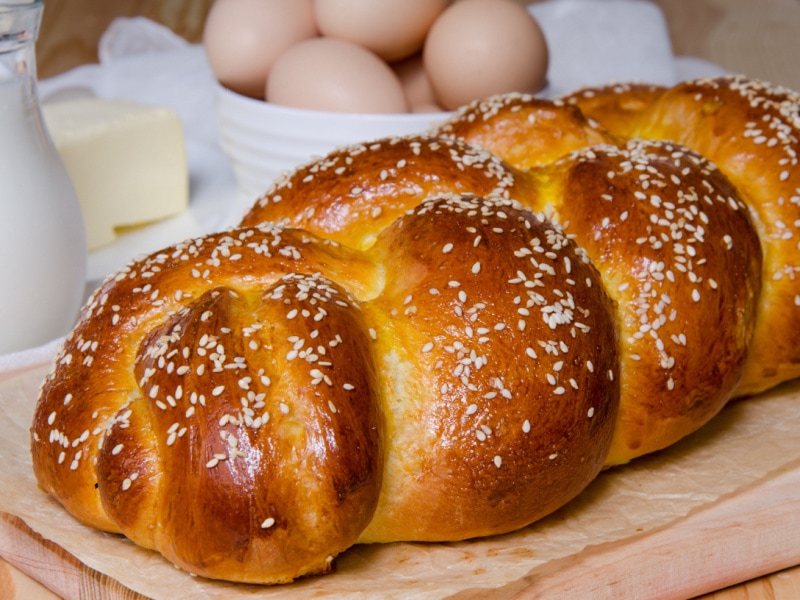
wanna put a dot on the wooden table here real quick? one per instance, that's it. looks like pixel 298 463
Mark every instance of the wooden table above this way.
pixel 759 39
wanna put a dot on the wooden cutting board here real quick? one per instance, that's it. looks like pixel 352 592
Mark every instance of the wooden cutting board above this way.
pixel 749 534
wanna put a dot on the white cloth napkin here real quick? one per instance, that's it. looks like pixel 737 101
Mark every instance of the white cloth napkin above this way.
pixel 14 362
pixel 591 42
pixel 596 42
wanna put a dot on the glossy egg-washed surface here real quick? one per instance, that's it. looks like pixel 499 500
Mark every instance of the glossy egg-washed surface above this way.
pixel 436 337
pixel 751 131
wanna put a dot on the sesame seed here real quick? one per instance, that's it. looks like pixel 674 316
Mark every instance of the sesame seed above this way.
pixel 267 523
pixel 498 461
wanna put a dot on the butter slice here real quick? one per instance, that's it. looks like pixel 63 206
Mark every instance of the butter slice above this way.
pixel 127 162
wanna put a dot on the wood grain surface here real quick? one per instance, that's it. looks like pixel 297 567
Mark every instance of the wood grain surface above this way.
pixel 759 39
pixel 783 585
pixel 70 29
pixel 16 585
pixel 37 566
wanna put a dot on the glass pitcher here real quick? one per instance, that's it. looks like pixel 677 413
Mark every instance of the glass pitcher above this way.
pixel 42 237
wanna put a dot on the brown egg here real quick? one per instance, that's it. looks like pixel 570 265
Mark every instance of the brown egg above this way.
pixel 416 84
pixel 243 38
pixel 392 29
pixel 477 48
pixel 334 75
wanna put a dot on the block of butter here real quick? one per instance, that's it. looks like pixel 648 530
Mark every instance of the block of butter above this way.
pixel 127 162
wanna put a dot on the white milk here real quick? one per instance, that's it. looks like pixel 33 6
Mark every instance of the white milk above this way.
pixel 42 239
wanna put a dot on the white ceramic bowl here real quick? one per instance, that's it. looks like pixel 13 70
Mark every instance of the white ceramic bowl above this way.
pixel 262 140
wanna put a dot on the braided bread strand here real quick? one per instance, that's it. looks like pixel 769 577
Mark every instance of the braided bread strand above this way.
pixel 751 130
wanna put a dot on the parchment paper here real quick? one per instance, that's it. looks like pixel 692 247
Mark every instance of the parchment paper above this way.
pixel 746 442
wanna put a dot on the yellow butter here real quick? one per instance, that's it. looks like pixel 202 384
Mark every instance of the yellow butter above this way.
pixel 127 162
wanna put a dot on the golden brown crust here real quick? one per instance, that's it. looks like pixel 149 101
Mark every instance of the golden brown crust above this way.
pixel 680 257
pixel 436 337
pixel 616 108
pixel 503 125
pixel 218 402
pixel 261 372
pixel 630 209
pixel 499 352
pixel 751 130
pixel 356 192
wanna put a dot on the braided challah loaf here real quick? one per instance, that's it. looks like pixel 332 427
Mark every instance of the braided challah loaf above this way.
pixel 436 337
